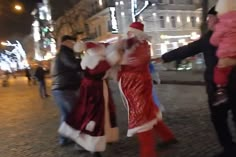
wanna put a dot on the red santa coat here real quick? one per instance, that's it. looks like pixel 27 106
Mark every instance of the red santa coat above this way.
pixel 92 122
pixel 136 87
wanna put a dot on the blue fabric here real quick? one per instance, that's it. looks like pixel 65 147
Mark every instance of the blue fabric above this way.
pixel 154 92
pixel 65 100
pixel 155 97
pixel 151 68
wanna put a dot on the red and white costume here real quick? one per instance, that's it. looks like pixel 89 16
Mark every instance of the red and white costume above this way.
pixel 135 84
pixel 92 122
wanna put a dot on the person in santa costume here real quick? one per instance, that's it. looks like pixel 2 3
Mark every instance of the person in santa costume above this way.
pixel 135 83
pixel 92 123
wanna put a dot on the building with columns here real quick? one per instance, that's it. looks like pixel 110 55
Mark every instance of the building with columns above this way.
pixel 171 23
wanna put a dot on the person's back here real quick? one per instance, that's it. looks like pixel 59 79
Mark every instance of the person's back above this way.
pixel 40 73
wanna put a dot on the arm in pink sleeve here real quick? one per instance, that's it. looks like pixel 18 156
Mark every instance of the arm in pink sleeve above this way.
pixel 218 34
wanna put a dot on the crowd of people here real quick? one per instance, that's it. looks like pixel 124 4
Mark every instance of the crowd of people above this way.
pixel 81 90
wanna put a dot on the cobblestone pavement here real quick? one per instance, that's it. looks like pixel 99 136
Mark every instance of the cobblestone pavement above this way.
pixel 29 124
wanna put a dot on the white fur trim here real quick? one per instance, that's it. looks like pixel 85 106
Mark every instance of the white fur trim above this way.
pixel 224 6
pixel 134 30
pixel 90 126
pixel 112 55
pixel 145 127
pixel 140 34
pixel 90 62
pixel 90 143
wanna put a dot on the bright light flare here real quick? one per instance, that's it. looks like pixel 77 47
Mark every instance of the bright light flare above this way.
pixel 3 43
pixel 18 7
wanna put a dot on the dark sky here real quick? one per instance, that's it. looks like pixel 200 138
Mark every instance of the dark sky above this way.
pixel 15 24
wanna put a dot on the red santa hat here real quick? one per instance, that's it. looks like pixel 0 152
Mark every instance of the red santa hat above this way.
pixel 136 27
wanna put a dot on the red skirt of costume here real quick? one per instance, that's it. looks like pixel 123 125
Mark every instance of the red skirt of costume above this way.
pixel 135 84
pixel 92 122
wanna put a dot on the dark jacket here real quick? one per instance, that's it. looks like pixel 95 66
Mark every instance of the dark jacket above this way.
pixel 66 70
pixel 40 73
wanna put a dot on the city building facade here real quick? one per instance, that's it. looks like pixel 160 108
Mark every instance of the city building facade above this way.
pixel 171 23
pixel 89 19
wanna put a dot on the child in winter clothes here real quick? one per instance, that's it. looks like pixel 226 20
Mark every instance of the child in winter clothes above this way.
pixel 224 37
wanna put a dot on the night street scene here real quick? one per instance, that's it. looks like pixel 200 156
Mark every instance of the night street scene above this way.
pixel 118 78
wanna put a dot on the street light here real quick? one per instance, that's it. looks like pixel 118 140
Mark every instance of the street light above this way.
pixel 18 7
pixel 3 43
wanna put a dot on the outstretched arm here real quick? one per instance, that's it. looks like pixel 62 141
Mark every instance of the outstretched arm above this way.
pixel 184 51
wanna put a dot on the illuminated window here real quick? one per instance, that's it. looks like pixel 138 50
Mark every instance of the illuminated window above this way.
pixel 121 3
pixel 178 19
pixel 122 13
pixel 100 2
pixel 188 19
pixel 168 19
pixel 198 20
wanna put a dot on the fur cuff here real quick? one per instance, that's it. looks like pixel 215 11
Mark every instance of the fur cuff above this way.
pixel 113 57
pixel 90 62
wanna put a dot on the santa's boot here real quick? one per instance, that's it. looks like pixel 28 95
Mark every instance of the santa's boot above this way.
pixel 165 134
pixel 147 144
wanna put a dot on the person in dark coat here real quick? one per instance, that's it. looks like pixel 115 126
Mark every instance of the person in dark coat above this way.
pixel 40 73
pixel 28 76
pixel 66 77
pixel 219 114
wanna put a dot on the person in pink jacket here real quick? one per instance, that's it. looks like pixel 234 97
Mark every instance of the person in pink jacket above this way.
pixel 224 37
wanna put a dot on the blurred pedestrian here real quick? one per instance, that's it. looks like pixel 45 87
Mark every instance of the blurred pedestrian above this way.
pixel 40 76
pixel 66 79
pixel 28 76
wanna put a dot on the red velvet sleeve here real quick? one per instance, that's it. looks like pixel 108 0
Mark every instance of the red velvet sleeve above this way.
pixel 102 67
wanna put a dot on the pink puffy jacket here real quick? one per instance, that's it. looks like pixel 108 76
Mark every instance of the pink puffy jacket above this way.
pixel 224 36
